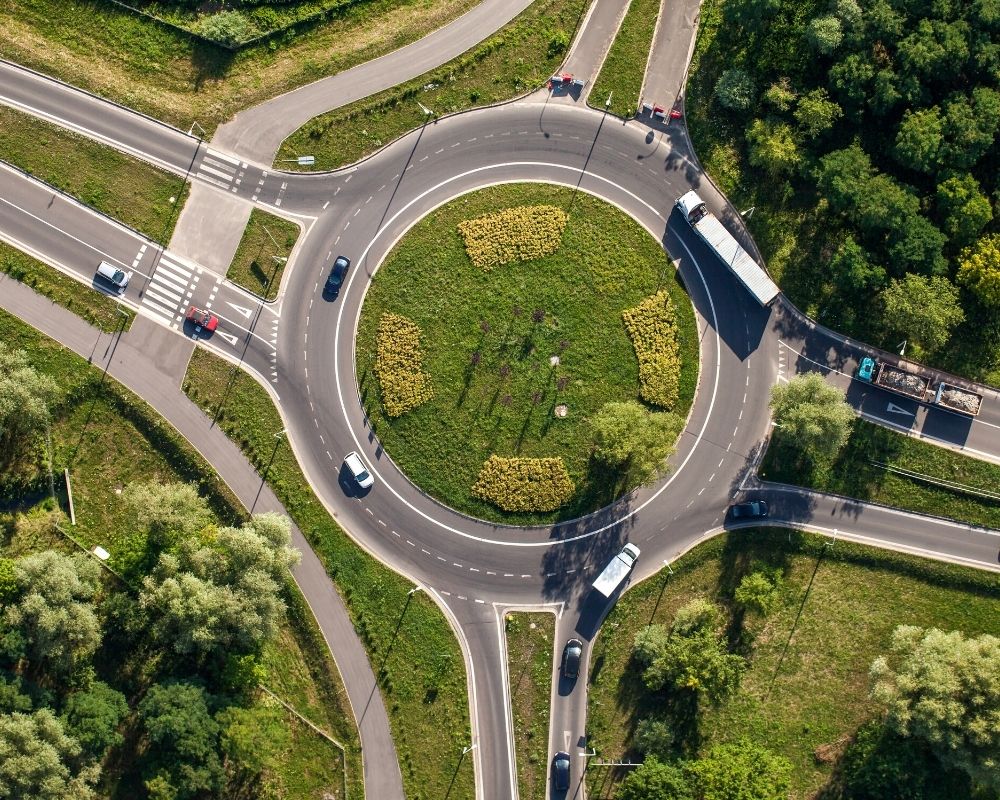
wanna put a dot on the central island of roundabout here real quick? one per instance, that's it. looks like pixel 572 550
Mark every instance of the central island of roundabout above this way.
pixel 527 354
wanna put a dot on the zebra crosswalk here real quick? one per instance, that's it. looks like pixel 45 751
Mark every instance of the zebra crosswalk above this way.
pixel 221 170
pixel 170 288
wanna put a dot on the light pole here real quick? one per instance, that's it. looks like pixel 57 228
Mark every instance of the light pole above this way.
pixel 902 348
pixel 470 748
pixel 414 590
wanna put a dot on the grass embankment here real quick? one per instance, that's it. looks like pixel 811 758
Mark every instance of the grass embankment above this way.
pixel 422 673
pixel 504 404
pixel 109 438
pixel 529 665
pixel 125 188
pixel 855 475
pixel 135 61
pixel 254 266
pixel 807 681
pixel 98 309
pixel 521 56
pixel 625 65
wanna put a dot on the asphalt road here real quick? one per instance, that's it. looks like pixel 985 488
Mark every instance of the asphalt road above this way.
pixel 471 566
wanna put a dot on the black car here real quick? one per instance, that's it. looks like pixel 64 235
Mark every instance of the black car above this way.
pixel 338 272
pixel 560 772
pixel 755 509
pixel 572 653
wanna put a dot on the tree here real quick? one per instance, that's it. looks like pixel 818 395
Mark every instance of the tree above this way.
pixel 633 439
pixel 223 594
pixel 773 147
pixel 655 781
pixel 51 621
pixel 741 770
pixel 813 415
pixel 92 716
pixel 852 272
pixel 917 245
pixel 759 591
pixel 253 739
pixel 781 95
pixel 736 90
pixel 816 113
pixel 935 50
pixel 919 138
pixel 842 174
pixel 184 760
pixel 653 737
pixel 824 34
pixel 944 689
pixel 36 757
pixel 25 399
pixel 979 270
pixel 966 210
pixel 925 310
pixel 970 126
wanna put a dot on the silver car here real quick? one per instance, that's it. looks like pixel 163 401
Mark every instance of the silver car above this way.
pixel 358 470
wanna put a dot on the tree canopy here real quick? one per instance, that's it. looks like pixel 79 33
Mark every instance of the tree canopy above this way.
pixel 925 310
pixel 25 400
pixel 630 437
pixel 37 757
pixel 813 415
pixel 742 770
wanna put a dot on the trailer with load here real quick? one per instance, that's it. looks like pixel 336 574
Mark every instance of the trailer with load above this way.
pixel 957 399
pixel 918 387
pixel 707 226
pixel 617 570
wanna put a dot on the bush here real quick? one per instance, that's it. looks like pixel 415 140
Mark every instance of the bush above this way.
pixel 399 365
pixel 524 484
pixel 227 27
pixel 736 90
pixel 513 234
pixel 652 326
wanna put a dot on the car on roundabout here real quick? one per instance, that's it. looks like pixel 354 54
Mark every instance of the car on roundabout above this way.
pixel 202 320
pixel 338 273
pixel 358 470
pixel 753 509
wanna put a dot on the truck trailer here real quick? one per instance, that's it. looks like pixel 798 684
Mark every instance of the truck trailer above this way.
pixel 957 399
pixel 617 570
pixel 751 274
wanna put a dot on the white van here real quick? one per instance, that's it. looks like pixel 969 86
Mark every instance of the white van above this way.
pixel 116 276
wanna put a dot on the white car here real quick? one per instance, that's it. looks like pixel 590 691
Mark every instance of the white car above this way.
pixel 117 277
pixel 358 470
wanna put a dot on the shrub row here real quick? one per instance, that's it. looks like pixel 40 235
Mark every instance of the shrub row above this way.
pixel 652 326
pixel 524 484
pixel 514 234
pixel 399 365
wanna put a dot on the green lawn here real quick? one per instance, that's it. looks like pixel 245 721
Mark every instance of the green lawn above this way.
pixel 98 309
pixel 807 682
pixel 422 672
pixel 107 438
pixel 519 57
pixel 254 266
pixel 97 46
pixel 129 190
pixel 607 263
pixel 529 664
pixel 853 474
pixel 625 66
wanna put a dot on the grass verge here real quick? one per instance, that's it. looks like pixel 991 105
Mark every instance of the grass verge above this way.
pixel 529 664
pixel 418 662
pixel 109 438
pixel 98 309
pixel 807 681
pixel 126 189
pixel 855 473
pixel 625 65
pixel 495 388
pixel 106 50
pixel 519 57
pixel 254 266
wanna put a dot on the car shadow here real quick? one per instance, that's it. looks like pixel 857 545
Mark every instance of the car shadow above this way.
pixel 349 486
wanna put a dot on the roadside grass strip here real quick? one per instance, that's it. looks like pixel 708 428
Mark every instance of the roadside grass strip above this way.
pixel 652 326
pixel 520 57
pixel 514 234
pixel 403 384
pixel 624 67
pixel 263 252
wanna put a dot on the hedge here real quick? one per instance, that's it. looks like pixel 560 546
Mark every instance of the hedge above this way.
pixel 399 365
pixel 514 234
pixel 524 484
pixel 652 326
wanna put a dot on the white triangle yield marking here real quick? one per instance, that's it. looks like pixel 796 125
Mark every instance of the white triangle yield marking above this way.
pixel 228 337
pixel 892 408
pixel 244 311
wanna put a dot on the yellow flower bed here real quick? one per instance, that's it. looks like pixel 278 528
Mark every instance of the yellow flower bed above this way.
pixel 652 326
pixel 514 234
pixel 399 365
pixel 524 484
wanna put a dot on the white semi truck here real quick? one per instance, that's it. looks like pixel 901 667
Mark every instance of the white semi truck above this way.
pixel 617 570
pixel 705 224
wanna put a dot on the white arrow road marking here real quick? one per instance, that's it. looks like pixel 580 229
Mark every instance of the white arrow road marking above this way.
pixel 892 408
pixel 228 337
pixel 244 311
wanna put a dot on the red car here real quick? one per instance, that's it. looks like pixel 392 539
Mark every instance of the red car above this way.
pixel 202 320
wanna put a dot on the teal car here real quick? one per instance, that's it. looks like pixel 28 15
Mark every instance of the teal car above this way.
pixel 866 369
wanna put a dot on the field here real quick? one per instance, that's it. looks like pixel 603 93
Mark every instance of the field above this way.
pixel 122 187
pixel 529 664
pixel 515 318
pixel 422 672
pixel 855 474
pixel 625 66
pixel 254 266
pixel 518 58
pixel 807 682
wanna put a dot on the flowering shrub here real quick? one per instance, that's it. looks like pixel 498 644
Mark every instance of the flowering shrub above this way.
pixel 399 365
pixel 652 327
pixel 514 234
pixel 524 484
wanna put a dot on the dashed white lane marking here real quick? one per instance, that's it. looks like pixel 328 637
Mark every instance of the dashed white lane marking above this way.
pixel 490 572
pixel 712 478
pixel 701 491
pixel 720 462
pixel 382 524
pixel 369 511
pixel 456 565
pixel 473 569
pixel 734 431
pixel 508 574
pixel 483 602
pixel 326 204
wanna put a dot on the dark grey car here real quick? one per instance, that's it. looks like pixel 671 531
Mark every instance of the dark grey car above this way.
pixel 572 653
pixel 560 772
